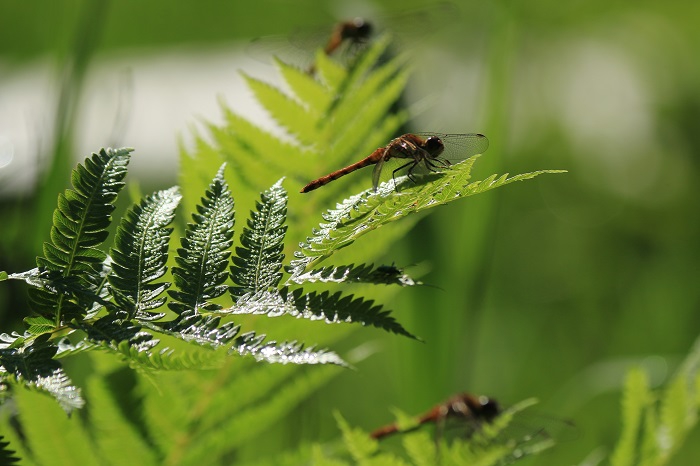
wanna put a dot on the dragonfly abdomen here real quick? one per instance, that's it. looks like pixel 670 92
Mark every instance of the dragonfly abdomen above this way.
pixel 369 160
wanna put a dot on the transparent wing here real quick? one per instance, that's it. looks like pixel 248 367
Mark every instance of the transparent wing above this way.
pixel 459 147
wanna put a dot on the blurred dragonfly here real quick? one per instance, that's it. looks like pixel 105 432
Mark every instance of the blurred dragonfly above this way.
pixel 347 38
pixel 419 153
pixel 470 413
pixel 472 409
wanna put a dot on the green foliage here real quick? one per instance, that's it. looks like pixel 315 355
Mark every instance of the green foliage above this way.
pixel 113 307
pixel 490 444
pixel 655 424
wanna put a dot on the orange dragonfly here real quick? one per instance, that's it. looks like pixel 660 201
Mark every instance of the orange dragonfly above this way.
pixel 465 406
pixel 420 153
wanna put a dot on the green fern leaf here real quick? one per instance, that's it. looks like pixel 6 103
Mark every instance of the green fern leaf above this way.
pixel 203 258
pixel 314 95
pixel 244 423
pixel 38 325
pixel 79 225
pixel 108 414
pixel 676 416
pixel 292 115
pixel 420 448
pixel 375 96
pixel 112 328
pixel 203 330
pixel 258 263
pixel 140 254
pixel 368 211
pixel 330 71
pixel 167 359
pixel 358 442
pixel 284 353
pixel 32 365
pixel 635 400
pixel 333 309
pixel 259 152
pixel 7 456
pixel 363 273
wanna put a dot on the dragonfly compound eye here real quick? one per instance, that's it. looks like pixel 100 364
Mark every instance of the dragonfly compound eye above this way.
pixel 358 30
pixel 489 408
pixel 434 145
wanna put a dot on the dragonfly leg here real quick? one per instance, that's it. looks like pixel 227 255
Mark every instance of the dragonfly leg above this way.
pixel 393 174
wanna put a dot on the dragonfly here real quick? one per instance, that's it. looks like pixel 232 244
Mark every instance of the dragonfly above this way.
pixel 420 153
pixel 464 406
pixel 349 37
pixel 346 40
pixel 354 32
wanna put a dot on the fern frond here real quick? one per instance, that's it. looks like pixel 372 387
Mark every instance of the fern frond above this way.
pixel 653 431
pixel 358 442
pixel 677 415
pixel 140 254
pixel 363 273
pixel 252 419
pixel 258 263
pixel 260 151
pixel 375 96
pixel 203 330
pixel 283 353
pixel 32 364
pixel 332 308
pixel 166 359
pixel 79 225
pixel 313 94
pixel 287 111
pixel 367 211
pixel 110 415
pixel 38 325
pixel 635 400
pixel 115 327
pixel 330 71
pixel 203 258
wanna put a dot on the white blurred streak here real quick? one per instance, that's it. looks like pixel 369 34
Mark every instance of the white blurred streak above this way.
pixel 26 106
pixel 146 100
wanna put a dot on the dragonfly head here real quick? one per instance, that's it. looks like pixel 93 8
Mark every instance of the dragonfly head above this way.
pixel 489 408
pixel 434 146
pixel 357 30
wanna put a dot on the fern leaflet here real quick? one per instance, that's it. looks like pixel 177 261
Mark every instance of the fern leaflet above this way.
pixel 203 258
pixel 363 273
pixel 258 263
pixel 140 254
pixel 331 308
pixel 30 363
pixel 79 225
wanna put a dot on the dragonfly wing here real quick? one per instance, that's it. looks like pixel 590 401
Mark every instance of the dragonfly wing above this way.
pixel 459 147
pixel 377 172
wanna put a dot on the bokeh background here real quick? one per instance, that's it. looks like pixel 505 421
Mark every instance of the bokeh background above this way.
pixel 550 288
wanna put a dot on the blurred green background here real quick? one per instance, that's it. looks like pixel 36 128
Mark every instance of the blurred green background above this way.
pixel 550 288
